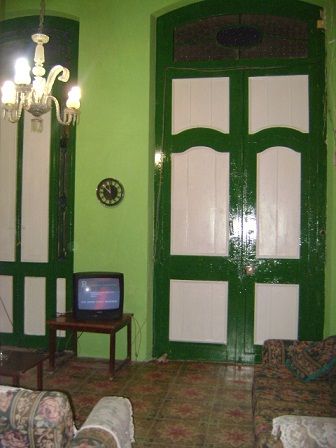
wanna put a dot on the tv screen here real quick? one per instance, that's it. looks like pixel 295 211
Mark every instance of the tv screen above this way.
pixel 98 295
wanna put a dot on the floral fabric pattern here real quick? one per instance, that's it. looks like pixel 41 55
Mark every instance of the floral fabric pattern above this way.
pixel 34 419
pixel 316 360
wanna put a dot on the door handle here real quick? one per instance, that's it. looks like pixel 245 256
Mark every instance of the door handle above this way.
pixel 249 270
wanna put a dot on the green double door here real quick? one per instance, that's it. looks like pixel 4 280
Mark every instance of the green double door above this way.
pixel 240 206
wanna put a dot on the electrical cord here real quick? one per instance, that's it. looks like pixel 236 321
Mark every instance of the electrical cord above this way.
pixel 137 339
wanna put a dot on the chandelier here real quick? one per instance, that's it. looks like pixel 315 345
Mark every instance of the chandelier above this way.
pixel 36 96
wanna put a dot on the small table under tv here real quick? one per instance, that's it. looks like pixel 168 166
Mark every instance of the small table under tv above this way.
pixel 68 322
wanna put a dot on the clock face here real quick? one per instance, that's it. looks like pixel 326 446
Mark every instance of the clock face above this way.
pixel 110 192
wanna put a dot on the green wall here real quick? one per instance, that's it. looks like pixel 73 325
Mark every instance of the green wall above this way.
pixel 114 139
pixel 330 304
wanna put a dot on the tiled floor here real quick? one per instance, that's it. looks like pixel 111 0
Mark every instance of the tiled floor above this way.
pixel 176 404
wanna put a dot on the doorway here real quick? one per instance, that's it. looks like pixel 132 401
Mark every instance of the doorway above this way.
pixel 36 195
pixel 240 179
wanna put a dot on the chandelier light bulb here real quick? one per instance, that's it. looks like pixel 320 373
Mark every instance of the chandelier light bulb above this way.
pixel 22 72
pixel 74 96
pixel 8 93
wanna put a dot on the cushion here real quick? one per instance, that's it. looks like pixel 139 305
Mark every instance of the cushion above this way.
pixel 314 361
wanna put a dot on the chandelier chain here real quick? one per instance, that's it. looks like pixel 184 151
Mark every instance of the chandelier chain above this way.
pixel 42 14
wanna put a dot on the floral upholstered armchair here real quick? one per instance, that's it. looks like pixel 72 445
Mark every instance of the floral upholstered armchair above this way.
pixel 44 419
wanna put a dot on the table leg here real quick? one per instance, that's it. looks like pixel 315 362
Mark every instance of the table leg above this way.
pixel 129 339
pixel 74 341
pixel 16 380
pixel 52 348
pixel 40 375
pixel 112 355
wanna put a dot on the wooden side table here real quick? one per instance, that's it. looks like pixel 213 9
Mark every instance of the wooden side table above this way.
pixel 67 322
pixel 16 362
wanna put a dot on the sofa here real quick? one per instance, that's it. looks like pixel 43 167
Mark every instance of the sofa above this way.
pixel 294 392
pixel 45 419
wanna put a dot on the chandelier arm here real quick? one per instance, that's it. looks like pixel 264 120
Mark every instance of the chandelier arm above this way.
pixel 67 118
pixel 59 71
pixel 14 113
pixel 12 118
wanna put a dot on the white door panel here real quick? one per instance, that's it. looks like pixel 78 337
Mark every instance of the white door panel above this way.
pixel 8 162
pixel 200 202
pixel 279 101
pixel 276 314
pixel 6 304
pixel 278 203
pixel 198 311
pixel 35 192
pixel 34 306
pixel 200 102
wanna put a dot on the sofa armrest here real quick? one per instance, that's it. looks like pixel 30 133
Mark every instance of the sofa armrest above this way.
pixel 275 351
pixel 110 423
pixel 93 438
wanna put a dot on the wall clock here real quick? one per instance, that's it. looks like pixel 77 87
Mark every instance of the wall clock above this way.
pixel 110 192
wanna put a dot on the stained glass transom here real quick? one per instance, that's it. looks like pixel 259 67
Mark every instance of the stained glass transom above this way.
pixel 245 36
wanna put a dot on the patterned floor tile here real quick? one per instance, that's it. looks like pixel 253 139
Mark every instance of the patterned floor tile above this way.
pixel 202 379
pixel 175 404
pixel 138 388
pixel 231 416
pixel 229 437
pixel 185 410
pixel 145 407
pixel 174 432
pixel 142 428
pixel 187 392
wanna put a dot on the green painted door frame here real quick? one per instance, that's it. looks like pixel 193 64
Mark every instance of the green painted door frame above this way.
pixel 308 272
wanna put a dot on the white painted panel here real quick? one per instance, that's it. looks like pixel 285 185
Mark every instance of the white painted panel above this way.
pixel 200 202
pixel 279 101
pixel 6 304
pixel 61 301
pixel 278 203
pixel 276 313
pixel 35 192
pixel 198 311
pixel 201 102
pixel 34 305
pixel 8 161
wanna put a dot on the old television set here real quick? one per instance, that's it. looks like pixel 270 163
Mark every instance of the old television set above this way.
pixel 98 295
